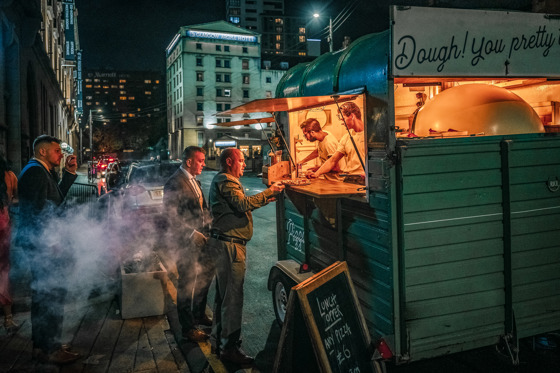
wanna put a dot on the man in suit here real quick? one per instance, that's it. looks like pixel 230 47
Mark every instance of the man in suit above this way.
pixel 190 224
pixel 41 195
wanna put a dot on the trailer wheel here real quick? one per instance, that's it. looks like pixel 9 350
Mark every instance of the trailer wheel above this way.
pixel 281 286
pixel 379 366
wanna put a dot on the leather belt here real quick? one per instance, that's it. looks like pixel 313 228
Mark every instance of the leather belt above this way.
pixel 228 239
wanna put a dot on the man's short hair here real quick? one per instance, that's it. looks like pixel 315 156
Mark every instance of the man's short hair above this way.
pixel 226 153
pixel 44 139
pixel 189 152
pixel 311 124
pixel 349 108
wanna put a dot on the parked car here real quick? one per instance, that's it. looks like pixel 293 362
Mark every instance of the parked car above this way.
pixel 140 194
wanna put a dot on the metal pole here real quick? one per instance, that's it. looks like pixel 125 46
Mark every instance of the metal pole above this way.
pixel 91 142
pixel 330 35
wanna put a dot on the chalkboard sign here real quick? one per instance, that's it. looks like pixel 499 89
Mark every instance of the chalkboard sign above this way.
pixel 334 322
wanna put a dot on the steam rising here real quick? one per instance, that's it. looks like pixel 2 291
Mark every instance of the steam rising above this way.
pixel 87 243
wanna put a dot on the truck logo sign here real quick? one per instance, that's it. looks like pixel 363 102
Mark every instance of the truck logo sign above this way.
pixel 295 236
pixel 553 184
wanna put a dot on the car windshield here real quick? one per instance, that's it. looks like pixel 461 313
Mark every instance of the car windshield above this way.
pixel 153 174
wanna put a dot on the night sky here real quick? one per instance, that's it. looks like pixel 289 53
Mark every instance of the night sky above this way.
pixel 133 34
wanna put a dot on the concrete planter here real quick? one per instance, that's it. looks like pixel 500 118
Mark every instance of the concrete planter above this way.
pixel 143 293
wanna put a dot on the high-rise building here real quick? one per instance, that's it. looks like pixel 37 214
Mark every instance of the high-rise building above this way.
pixel 283 37
pixel 127 107
pixel 211 68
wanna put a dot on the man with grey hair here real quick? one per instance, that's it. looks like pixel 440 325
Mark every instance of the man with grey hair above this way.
pixel 190 220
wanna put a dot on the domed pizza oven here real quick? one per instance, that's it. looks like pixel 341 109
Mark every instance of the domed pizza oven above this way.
pixel 476 109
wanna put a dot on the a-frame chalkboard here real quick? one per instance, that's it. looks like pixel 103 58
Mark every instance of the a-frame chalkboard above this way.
pixel 333 336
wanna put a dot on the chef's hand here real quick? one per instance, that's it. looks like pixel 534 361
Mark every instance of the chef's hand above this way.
pixel 71 164
pixel 311 175
pixel 277 187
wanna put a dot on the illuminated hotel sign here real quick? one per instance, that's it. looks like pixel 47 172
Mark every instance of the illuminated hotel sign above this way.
pixel 221 36
pixel 221 143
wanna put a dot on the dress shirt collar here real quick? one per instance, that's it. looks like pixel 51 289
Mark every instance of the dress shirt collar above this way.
pixel 43 163
pixel 187 173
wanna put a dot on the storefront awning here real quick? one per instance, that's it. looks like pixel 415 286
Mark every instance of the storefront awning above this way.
pixel 271 105
pixel 244 122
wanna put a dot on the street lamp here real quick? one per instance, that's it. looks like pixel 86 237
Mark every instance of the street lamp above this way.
pixel 330 37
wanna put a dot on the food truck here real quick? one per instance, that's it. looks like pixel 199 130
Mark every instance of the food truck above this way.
pixel 452 242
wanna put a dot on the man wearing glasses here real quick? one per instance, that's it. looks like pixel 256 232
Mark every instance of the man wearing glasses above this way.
pixel 326 147
pixel 351 115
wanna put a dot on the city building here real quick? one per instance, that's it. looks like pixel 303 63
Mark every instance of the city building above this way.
pixel 283 38
pixel 37 69
pixel 213 67
pixel 126 109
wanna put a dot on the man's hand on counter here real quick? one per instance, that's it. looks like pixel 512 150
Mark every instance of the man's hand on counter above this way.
pixel 277 187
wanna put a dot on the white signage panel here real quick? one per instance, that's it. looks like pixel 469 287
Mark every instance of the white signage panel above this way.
pixel 459 42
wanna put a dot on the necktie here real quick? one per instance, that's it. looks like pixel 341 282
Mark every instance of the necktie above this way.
pixel 197 190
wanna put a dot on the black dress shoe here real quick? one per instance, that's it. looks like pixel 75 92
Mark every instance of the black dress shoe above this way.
pixel 196 335
pixel 236 355
pixel 205 320
pixel 63 357
pixel 60 357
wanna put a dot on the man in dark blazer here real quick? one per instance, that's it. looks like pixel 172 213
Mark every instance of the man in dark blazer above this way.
pixel 41 195
pixel 189 222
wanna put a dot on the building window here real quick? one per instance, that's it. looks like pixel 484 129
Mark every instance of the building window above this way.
pixel 200 106
pixel 122 98
pixel 200 138
pixel 199 120
pixel 218 92
pixel 147 92
pixel 227 78
pixel 246 79
pixel 227 92
pixel 121 80
pixel 245 50
pixel 268 94
pixel 302 38
pixel 245 93
pixel 227 64
pixel 218 77
pixel 199 61
pixel 284 65
pixel 218 63
pixel 132 98
pixel 227 106
pixel 278 46
pixel 148 81
pixel 219 107
pixel 198 45
pixel 234 20
pixel 245 64
pixel 218 48
pixel 302 30
pixel 226 48
pixel 199 91
pixel 278 37
pixel 268 79
pixel 199 76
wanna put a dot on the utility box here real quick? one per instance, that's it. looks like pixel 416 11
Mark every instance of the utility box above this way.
pixel 143 293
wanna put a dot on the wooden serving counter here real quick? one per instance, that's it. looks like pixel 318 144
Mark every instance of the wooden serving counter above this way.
pixel 321 188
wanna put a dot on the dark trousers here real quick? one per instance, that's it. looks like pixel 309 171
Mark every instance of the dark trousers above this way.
pixel 47 297
pixel 195 277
